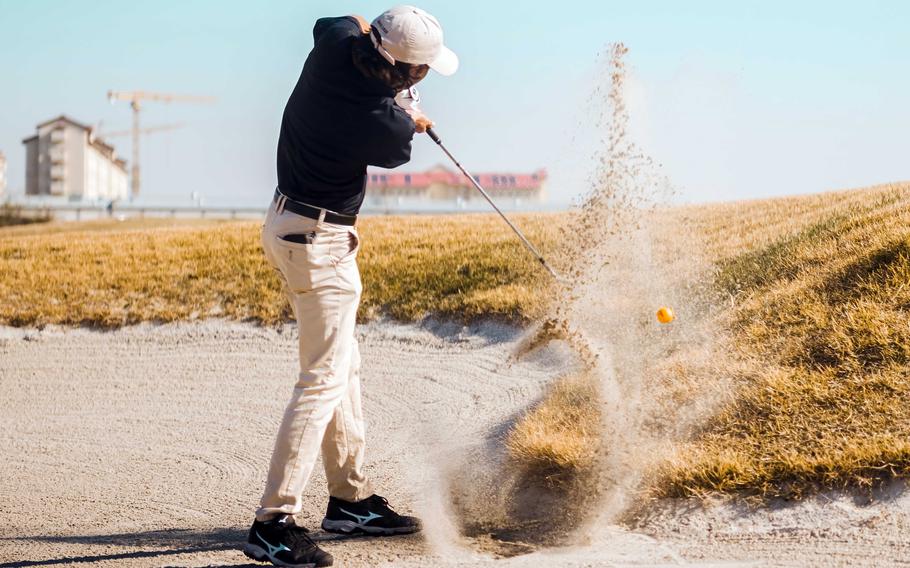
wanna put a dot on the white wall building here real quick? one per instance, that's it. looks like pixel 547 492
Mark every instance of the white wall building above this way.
pixel 64 159
pixel 2 176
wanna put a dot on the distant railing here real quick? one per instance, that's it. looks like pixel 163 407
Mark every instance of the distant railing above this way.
pixel 78 211
pixel 86 211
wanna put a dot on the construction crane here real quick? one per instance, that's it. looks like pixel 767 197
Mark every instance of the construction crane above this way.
pixel 135 99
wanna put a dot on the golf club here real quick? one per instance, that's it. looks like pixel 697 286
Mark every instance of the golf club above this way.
pixel 486 196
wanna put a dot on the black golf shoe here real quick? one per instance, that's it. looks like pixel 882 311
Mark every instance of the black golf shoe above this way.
pixel 283 543
pixel 370 516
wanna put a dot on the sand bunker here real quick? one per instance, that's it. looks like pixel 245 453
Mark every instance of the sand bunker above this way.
pixel 148 447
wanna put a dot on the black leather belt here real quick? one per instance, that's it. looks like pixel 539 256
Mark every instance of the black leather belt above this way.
pixel 315 212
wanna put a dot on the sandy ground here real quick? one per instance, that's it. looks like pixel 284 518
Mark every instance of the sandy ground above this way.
pixel 148 446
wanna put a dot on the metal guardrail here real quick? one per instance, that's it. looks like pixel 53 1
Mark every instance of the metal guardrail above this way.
pixel 81 211
pixel 100 211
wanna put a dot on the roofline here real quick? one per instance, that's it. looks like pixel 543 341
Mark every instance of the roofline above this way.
pixel 29 139
pixel 94 141
pixel 64 118
pixel 109 152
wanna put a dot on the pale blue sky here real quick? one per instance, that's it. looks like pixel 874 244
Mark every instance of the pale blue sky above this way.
pixel 735 99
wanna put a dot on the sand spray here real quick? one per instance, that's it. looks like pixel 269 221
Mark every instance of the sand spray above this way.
pixel 627 253
pixel 623 253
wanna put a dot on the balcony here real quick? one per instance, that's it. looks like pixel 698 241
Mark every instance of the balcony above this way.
pixel 57 155
pixel 57 136
pixel 57 188
pixel 57 172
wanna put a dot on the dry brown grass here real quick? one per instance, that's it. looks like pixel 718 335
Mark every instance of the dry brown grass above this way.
pixel 105 225
pixel 820 294
pixel 463 267
pixel 107 274
pixel 561 433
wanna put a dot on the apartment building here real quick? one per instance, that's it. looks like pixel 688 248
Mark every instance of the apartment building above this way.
pixel 65 159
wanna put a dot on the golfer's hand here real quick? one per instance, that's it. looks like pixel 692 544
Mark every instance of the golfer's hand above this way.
pixel 422 123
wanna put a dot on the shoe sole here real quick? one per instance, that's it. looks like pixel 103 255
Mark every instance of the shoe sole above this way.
pixel 260 555
pixel 352 527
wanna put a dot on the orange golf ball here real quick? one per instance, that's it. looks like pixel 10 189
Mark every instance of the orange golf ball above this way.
pixel 665 315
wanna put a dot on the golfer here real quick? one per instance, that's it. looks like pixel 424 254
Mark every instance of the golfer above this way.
pixel 354 106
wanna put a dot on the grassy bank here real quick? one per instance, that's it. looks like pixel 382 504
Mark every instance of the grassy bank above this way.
pixel 561 434
pixel 820 294
pixel 107 274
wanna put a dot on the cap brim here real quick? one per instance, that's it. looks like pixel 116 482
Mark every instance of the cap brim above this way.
pixel 446 63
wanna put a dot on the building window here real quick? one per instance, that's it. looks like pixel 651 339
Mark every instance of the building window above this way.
pixel 373 178
pixel 383 178
pixel 495 180
pixel 407 179
pixel 512 180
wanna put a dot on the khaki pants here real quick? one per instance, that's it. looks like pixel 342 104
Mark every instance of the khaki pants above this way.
pixel 323 285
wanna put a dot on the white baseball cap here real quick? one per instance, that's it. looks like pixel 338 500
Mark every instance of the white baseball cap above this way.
pixel 411 35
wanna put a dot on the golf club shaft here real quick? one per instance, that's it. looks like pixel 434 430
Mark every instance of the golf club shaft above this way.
pixel 486 196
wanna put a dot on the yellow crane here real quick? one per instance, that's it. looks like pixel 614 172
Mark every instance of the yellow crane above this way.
pixel 136 99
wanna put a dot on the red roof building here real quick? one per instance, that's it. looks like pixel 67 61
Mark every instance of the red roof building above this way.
pixel 441 183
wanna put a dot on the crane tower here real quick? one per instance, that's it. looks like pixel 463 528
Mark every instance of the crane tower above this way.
pixel 136 99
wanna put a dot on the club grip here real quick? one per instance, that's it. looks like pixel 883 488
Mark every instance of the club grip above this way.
pixel 434 136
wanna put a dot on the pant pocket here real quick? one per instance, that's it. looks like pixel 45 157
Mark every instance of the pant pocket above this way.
pixel 353 242
pixel 305 266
